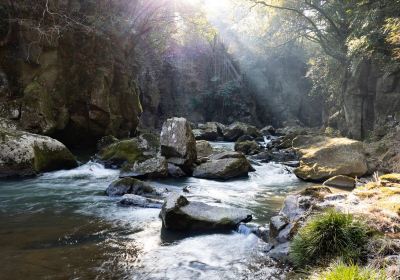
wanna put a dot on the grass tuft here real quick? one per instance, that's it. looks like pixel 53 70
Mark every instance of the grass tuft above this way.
pixel 342 271
pixel 329 235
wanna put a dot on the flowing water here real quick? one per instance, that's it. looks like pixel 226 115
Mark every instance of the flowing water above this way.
pixel 61 226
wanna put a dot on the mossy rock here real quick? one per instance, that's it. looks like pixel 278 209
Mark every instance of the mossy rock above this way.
pixel 126 151
pixel 47 159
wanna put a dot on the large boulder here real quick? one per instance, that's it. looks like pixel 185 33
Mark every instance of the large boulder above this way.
pixel 247 147
pixel 140 201
pixel 130 151
pixel 182 215
pixel 152 168
pixel 341 181
pixel 237 129
pixel 26 154
pixel 203 148
pixel 178 144
pixel 224 166
pixel 129 186
pixel 323 157
pixel 210 131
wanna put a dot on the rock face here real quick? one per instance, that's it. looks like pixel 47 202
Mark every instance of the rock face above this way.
pixel 203 148
pixel 322 157
pixel 152 168
pixel 78 84
pixel 237 129
pixel 129 186
pixel 224 166
pixel 178 144
pixel 247 147
pixel 182 215
pixel 26 154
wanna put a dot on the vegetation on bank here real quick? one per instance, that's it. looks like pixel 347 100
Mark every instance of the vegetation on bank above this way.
pixel 341 271
pixel 327 236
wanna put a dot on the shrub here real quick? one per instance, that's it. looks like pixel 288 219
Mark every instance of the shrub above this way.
pixel 341 271
pixel 329 235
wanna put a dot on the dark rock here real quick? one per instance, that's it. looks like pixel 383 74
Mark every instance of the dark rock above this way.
pixel 280 252
pixel 247 147
pixel 224 166
pixel 237 129
pixel 277 223
pixel 153 168
pixel 129 186
pixel 175 171
pixel 106 141
pixel 178 144
pixel 210 131
pixel 179 214
pixel 140 201
pixel 268 130
pixel 244 138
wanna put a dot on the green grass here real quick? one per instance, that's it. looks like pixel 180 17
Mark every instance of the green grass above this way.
pixel 341 271
pixel 327 236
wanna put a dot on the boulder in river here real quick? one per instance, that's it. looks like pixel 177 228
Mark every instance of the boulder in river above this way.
pixel 175 171
pixel 26 154
pixel 268 130
pixel 182 215
pixel 237 129
pixel 341 181
pixel 129 186
pixel 247 147
pixel 156 167
pixel 140 201
pixel 130 151
pixel 224 166
pixel 323 157
pixel 178 144
pixel 210 131
pixel 203 148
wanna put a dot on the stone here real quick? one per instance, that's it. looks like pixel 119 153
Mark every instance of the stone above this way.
pixel 323 157
pixel 129 186
pixel 237 129
pixel 268 130
pixel 178 144
pixel 203 148
pixel 140 201
pixel 209 131
pixel 224 166
pixel 179 214
pixel 291 209
pixel 175 171
pixel 152 168
pixel 26 154
pixel 247 147
pixel 341 181
pixel 280 252
pixel 106 141
pixel 244 138
pixel 276 224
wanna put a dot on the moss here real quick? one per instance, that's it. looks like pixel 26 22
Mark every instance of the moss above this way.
pixel 48 160
pixel 123 151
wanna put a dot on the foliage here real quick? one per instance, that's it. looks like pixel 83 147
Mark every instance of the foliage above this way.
pixel 392 29
pixel 327 236
pixel 342 271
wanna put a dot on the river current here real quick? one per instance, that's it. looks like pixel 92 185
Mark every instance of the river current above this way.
pixel 60 225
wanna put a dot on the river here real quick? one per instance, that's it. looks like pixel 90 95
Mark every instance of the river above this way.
pixel 60 225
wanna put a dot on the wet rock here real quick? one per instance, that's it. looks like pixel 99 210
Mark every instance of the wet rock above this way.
pixel 140 201
pixel 294 163
pixel 203 148
pixel 178 144
pixel 341 181
pixel 26 154
pixel 129 186
pixel 280 252
pixel 268 130
pixel 106 141
pixel 246 138
pixel 224 166
pixel 182 215
pixel 210 131
pixel 277 223
pixel 247 147
pixel 153 168
pixel 130 151
pixel 175 171
pixel 287 155
pixel 325 157
pixel 237 129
